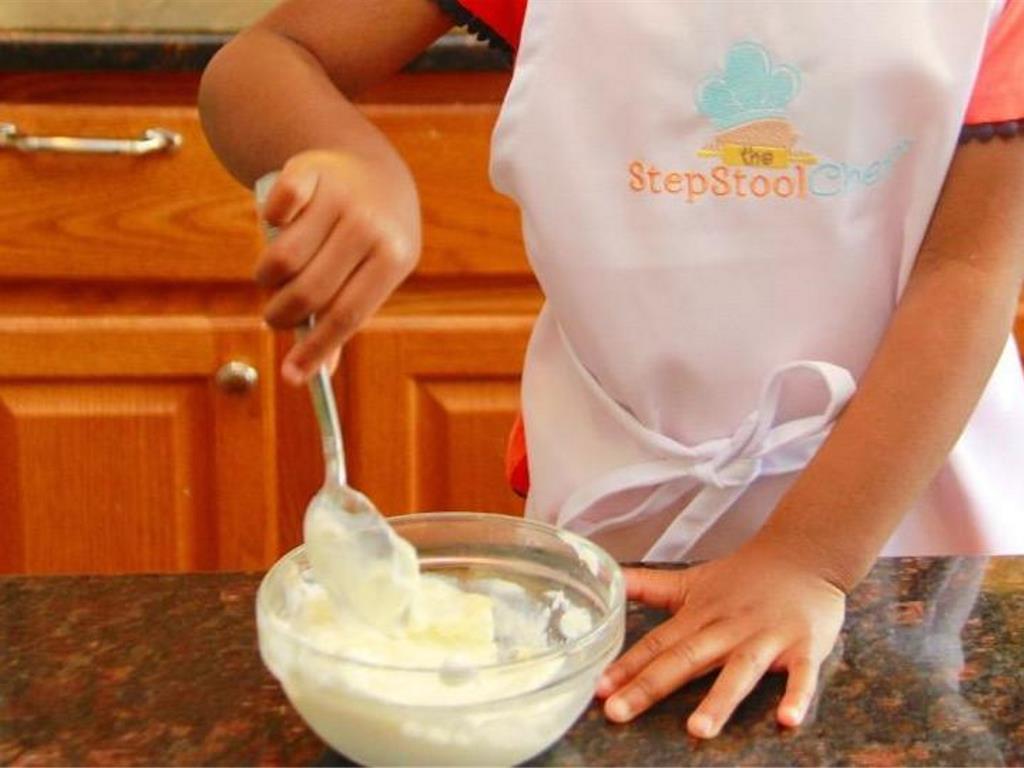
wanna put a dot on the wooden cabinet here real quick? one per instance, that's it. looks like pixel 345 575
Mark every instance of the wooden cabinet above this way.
pixel 135 444
pixel 430 401
pixel 143 422
pixel 136 379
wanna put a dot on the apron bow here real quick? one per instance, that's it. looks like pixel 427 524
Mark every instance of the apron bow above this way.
pixel 740 471
pixel 720 470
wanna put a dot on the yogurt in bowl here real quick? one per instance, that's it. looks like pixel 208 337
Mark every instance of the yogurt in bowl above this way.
pixel 514 622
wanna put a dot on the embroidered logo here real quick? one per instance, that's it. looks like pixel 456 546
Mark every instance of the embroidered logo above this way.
pixel 746 104
pixel 755 144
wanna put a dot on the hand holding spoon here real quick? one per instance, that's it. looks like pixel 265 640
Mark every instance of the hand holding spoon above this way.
pixel 355 555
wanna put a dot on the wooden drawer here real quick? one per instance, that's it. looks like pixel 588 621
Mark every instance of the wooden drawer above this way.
pixel 170 216
pixel 177 216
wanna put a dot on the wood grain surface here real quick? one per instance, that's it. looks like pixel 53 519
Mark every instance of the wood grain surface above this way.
pixel 430 401
pixel 121 453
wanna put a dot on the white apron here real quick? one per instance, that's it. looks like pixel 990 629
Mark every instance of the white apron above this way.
pixel 722 202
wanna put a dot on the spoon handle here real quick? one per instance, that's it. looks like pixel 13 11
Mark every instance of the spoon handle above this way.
pixel 326 415
pixel 320 390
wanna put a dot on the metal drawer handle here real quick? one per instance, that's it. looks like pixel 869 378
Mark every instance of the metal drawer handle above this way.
pixel 236 377
pixel 152 140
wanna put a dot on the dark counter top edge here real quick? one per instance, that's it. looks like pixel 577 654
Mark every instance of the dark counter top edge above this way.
pixel 25 51
pixel 898 560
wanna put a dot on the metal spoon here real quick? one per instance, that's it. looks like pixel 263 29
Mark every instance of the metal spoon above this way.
pixel 355 555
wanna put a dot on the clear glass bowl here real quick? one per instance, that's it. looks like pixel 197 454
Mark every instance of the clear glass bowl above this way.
pixel 497 714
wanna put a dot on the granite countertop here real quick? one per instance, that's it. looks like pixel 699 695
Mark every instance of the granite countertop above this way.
pixel 189 52
pixel 163 669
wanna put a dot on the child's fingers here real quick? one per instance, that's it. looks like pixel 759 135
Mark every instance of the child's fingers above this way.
pixel 295 376
pixel 297 243
pixel 743 669
pixel 365 291
pixel 657 588
pixel 686 659
pixel 800 685
pixel 291 192
pixel 333 358
pixel 347 245
pixel 655 642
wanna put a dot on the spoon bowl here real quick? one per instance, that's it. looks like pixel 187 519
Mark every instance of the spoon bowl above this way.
pixel 357 556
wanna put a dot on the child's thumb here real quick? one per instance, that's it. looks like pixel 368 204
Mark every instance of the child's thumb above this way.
pixel 658 588
pixel 291 192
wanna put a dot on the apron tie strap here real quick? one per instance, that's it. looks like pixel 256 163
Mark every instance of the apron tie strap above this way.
pixel 722 468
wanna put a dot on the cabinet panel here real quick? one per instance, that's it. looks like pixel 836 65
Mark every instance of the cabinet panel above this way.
pixel 429 402
pixel 122 452
pixel 96 465
pixel 461 429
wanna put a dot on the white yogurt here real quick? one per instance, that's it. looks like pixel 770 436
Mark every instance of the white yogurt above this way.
pixel 451 630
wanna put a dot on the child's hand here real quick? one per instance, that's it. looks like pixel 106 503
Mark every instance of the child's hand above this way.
pixel 748 613
pixel 349 234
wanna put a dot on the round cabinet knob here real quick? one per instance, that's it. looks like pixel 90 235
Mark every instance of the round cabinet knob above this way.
pixel 236 377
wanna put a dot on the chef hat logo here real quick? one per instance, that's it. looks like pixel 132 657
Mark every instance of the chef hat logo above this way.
pixel 749 88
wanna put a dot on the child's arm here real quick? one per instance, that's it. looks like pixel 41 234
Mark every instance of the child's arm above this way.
pixel 275 96
pixel 926 376
pixel 778 602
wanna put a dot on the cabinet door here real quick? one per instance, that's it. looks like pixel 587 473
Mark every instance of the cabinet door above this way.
pixel 429 402
pixel 122 449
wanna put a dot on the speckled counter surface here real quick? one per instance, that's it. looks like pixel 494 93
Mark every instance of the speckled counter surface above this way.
pixel 190 51
pixel 159 670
